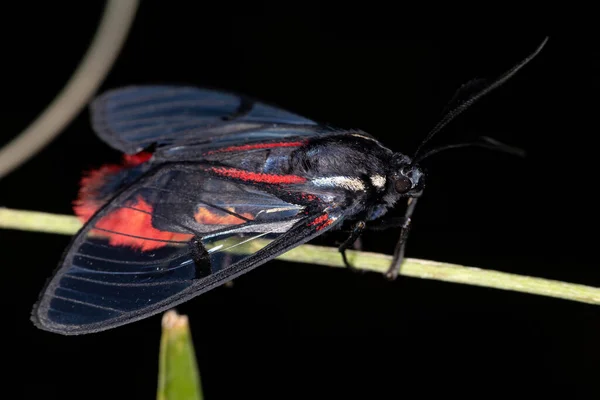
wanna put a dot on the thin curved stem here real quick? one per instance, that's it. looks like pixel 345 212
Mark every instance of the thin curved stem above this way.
pixel 329 256
pixel 100 57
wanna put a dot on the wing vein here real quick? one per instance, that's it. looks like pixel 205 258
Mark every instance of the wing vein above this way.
pixel 85 303
pixel 149 263
pixel 137 284
pixel 112 232
pixel 190 196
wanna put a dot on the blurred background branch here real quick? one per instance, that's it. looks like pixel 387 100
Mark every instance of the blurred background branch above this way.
pixel 109 39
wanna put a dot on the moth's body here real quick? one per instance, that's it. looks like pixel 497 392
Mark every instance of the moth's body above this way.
pixel 345 169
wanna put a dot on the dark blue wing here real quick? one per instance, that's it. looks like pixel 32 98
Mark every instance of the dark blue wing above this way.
pixel 174 234
pixel 132 118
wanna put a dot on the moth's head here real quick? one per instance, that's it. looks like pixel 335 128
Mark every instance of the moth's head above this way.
pixel 405 178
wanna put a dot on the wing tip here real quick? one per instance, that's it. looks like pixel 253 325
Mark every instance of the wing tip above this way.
pixel 40 321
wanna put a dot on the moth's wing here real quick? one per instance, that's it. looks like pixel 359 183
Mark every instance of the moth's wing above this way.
pixel 174 234
pixel 132 118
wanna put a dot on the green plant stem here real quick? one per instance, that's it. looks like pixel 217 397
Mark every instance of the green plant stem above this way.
pixel 328 256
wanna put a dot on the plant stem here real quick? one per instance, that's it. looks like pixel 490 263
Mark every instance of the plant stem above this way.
pixel 178 376
pixel 328 256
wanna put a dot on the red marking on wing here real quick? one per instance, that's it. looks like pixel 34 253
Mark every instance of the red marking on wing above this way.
pixel 325 225
pixel 309 197
pixel 132 222
pixel 92 182
pixel 256 147
pixel 131 160
pixel 321 222
pixel 90 185
pixel 208 217
pixel 257 176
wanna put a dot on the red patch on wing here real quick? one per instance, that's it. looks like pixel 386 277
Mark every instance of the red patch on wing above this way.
pixel 87 203
pixel 325 225
pixel 205 216
pixel 309 197
pixel 257 176
pixel 92 182
pixel 321 222
pixel 256 147
pixel 136 224
pixel 131 160
pixel 135 228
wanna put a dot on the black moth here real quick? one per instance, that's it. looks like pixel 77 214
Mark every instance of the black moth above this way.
pixel 224 172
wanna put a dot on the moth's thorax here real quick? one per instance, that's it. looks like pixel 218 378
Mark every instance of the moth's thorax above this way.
pixel 348 155
pixel 355 170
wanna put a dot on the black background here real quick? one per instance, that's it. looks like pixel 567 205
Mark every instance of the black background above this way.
pixel 288 330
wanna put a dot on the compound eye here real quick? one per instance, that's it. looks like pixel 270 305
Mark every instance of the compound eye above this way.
pixel 402 185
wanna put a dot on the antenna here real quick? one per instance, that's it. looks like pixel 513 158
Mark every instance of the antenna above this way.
pixel 462 106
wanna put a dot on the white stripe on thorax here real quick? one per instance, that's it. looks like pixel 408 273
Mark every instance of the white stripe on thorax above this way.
pixel 378 181
pixel 346 182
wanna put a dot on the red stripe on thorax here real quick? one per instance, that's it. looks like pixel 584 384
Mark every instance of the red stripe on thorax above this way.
pixel 256 146
pixel 257 176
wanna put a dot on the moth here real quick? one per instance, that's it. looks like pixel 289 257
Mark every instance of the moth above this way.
pixel 205 175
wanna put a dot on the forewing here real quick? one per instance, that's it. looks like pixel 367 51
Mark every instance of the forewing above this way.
pixel 174 234
pixel 133 118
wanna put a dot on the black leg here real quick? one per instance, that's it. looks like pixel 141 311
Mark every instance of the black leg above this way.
pixel 200 257
pixel 356 231
pixel 394 269
pixel 385 224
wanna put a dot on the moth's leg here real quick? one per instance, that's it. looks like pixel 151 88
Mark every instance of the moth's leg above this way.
pixel 200 257
pixel 228 261
pixel 357 244
pixel 394 269
pixel 382 225
pixel 358 228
